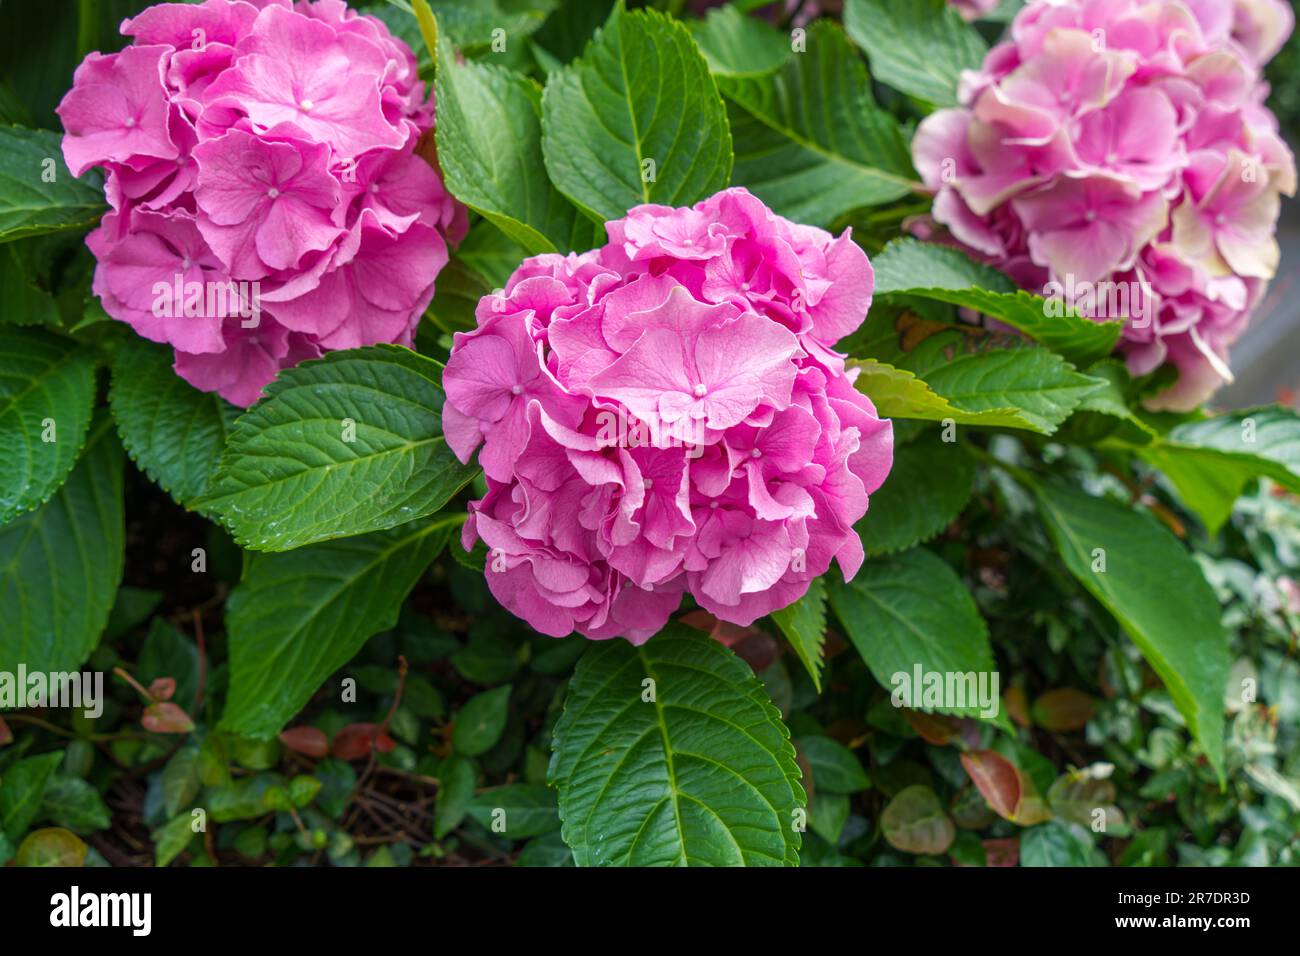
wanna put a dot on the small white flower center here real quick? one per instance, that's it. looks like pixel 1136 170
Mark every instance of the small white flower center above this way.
pixel 306 106
pixel 744 287
pixel 516 390
pixel 713 505
pixel 648 483
pixel 374 187
pixel 688 242
pixel 1220 219
pixel 130 122
pixel 1090 215
pixel 1112 157
pixel 757 453
pixel 273 193
pixel 185 264
pixel 700 391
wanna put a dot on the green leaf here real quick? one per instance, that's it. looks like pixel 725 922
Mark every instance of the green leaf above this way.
pixel 51 846
pixel 810 140
pixel 22 788
pixel 174 432
pixel 919 47
pixel 648 776
pixel 915 822
pixel 37 193
pixel 926 490
pixel 171 839
pixel 640 93
pixel 1038 385
pixel 26 303
pixel 471 24
pixel 1025 388
pixel 943 274
pixel 1145 566
pixel 61 564
pixel 180 780
pixel 1055 844
pixel 738 45
pixel 835 769
pixel 72 803
pixel 1211 461
pixel 804 625
pixel 290 476
pixel 1208 481
pixel 455 792
pixel 529 810
pixel 911 610
pixel 489 149
pixel 296 618
pixel 47 391
pixel 480 723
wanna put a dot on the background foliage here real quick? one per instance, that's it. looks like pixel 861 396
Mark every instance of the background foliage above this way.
pixel 236 575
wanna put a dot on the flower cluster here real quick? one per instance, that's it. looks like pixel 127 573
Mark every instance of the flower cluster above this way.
pixel 270 195
pixel 666 414
pixel 1125 144
pixel 974 9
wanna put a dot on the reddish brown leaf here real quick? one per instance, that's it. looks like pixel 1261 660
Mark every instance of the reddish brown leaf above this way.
pixel 357 740
pixel 1016 706
pixel 1002 852
pixel 1064 708
pixel 997 778
pixel 933 728
pixel 166 718
pixel 310 741
pixel 162 688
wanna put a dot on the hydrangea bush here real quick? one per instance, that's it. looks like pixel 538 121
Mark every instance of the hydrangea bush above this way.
pixel 741 437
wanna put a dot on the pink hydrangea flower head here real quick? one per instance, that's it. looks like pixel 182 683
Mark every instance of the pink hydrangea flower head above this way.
pixel 271 194
pixel 1111 142
pixel 667 415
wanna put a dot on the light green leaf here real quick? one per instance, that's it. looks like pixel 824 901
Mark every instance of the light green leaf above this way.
pixel 528 810
pixel 489 149
pixel 804 625
pixel 810 140
pixel 1144 569
pixel 648 776
pixel 51 846
pixel 944 274
pixel 47 391
pixel 174 432
pixel 918 47
pixel 1027 388
pixel 926 490
pixel 290 475
pixel 914 821
pixel 297 617
pixel 37 193
pixel 61 564
pixel 738 45
pixel 911 610
pixel 641 94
